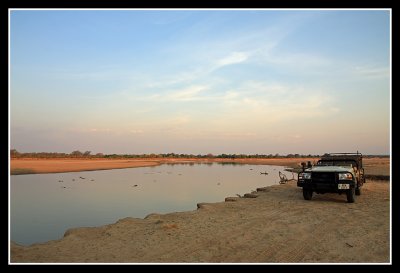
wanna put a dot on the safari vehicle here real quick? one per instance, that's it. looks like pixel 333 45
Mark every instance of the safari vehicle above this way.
pixel 335 173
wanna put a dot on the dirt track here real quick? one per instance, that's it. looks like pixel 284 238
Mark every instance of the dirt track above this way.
pixel 276 227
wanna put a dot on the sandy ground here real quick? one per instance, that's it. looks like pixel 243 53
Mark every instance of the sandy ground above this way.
pixel 378 166
pixel 278 226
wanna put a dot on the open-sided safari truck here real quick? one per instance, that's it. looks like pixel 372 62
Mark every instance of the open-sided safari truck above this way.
pixel 334 172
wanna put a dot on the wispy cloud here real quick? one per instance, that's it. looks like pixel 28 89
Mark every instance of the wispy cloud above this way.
pixel 190 93
pixel 249 46
pixel 372 72
pixel 232 58
pixel 298 61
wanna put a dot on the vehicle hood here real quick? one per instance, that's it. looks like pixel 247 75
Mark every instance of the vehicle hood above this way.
pixel 330 169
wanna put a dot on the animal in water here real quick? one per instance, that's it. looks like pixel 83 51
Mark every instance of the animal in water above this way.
pixel 81 177
pixel 264 173
pixel 135 185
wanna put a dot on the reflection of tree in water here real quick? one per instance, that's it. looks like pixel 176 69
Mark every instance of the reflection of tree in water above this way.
pixel 189 163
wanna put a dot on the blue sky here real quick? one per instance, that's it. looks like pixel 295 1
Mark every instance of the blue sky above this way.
pixel 200 81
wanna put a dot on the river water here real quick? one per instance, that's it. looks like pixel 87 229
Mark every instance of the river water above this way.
pixel 44 206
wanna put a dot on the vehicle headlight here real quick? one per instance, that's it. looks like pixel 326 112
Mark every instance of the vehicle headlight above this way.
pixel 345 176
pixel 305 176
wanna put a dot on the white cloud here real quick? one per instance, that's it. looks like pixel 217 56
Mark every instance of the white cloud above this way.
pixel 206 67
pixel 230 95
pixel 187 94
pixel 258 104
pixel 232 58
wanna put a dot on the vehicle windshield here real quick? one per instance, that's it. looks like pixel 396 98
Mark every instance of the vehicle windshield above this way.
pixel 349 163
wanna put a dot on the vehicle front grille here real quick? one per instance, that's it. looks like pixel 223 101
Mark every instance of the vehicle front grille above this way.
pixel 323 177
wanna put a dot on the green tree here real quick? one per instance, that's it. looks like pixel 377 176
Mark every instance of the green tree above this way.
pixel 76 153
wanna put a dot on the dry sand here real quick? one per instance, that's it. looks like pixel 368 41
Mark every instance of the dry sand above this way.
pixel 29 166
pixel 276 227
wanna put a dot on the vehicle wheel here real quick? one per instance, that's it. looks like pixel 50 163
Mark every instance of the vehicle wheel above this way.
pixel 307 194
pixel 350 195
pixel 358 191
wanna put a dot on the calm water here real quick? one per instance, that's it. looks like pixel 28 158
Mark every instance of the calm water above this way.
pixel 43 208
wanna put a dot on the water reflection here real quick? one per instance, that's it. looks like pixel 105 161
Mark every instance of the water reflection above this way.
pixel 44 206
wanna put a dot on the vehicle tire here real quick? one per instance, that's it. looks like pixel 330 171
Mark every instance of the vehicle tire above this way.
pixel 307 194
pixel 350 195
pixel 358 191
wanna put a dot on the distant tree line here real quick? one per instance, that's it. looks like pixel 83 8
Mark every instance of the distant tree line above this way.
pixel 75 154
pixel 87 154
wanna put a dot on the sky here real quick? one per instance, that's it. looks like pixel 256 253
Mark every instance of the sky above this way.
pixel 200 81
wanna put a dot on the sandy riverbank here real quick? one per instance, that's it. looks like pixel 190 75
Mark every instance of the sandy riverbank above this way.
pixel 276 227
pixel 30 166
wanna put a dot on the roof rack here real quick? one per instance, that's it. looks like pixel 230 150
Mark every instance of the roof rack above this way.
pixel 357 157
